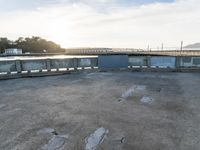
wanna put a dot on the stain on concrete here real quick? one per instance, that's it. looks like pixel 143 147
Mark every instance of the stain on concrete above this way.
pixel 134 89
pixel 97 74
pixel 47 131
pixel 2 106
pixel 128 93
pixel 122 140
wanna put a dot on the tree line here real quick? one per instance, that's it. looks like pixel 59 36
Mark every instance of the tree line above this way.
pixel 32 45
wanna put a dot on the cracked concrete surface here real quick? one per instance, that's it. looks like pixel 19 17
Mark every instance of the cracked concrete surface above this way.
pixel 75 105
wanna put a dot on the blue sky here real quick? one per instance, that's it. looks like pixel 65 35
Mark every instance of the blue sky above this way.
pixel 10 5
pixel 103 23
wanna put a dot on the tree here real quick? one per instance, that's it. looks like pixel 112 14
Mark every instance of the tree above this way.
pixel 4 43
pixel 37 45
pixel 32 45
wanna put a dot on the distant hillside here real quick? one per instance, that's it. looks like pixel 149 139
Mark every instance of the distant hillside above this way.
pixel 195 45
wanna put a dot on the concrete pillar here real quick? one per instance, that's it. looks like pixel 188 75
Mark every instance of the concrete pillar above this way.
pixel 178 62
pixel 18 66
pixel 149 61
pixel 94 62
pixel 75 63
pixel 48 64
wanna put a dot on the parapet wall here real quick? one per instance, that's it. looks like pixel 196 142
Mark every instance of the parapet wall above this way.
pixel 39 67
pixel 32 67
pixel 165 62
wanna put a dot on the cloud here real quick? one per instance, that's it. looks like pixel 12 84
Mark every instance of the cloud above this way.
pixel 79 24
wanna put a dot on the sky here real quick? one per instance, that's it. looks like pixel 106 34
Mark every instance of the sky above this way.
pixel 103 23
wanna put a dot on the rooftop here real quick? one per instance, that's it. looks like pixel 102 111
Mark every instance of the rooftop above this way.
pixel 105 110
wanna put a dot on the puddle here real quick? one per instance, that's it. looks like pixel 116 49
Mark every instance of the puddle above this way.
pixel 147 100
pixel 95 138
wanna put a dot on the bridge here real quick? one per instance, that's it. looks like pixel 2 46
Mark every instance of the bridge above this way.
pixel 118 51
pixel 129 51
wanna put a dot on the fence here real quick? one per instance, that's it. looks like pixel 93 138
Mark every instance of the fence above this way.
pixel 32 67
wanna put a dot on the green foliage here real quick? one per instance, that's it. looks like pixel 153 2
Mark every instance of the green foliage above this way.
pixel 32 45
pixel 4 43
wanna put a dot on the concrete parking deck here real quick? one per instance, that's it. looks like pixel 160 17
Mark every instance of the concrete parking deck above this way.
pixel 103 111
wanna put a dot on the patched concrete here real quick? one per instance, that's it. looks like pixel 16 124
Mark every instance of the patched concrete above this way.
pixel 56 143
pixel 147 100
pixel 95 139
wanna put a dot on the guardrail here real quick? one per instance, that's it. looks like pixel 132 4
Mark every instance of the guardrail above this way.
pixel 173 62
pixel 42 67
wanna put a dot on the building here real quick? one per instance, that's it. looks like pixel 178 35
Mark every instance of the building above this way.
pixel 13 51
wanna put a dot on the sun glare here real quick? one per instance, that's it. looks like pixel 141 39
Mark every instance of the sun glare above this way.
pixel 59 31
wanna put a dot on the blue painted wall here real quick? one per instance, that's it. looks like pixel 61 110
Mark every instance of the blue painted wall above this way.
pixel 113 61
pixel 162 61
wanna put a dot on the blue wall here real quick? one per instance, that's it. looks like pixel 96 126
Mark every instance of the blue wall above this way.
pixel 163 61
pixel 113 61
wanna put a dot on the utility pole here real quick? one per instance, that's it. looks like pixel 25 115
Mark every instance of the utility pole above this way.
pixel 181 45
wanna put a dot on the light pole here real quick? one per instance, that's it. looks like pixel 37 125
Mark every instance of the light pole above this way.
pixel 181 45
